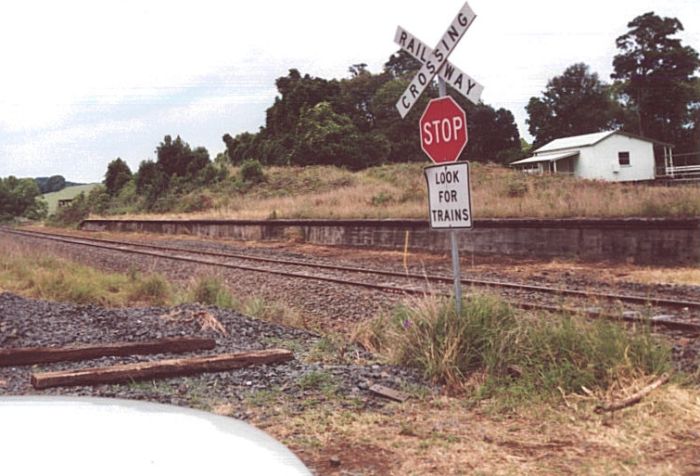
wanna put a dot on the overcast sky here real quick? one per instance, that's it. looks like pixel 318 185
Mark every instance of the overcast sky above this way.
pixel 84 82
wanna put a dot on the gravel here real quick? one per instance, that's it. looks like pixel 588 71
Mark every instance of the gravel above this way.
pixel 30 322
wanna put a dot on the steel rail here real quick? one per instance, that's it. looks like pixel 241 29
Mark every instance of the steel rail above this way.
pixel 636 299
pixel 631 318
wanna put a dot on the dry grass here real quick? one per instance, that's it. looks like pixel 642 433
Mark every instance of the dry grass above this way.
pixel 27 271
pixel 399 191
pixel 689 276
pixel 442 435
pixel 206 320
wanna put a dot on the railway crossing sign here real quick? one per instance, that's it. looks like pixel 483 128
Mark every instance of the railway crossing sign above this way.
pixel 443 130
pixel 449 195
pixel 435 59
pixel 452 75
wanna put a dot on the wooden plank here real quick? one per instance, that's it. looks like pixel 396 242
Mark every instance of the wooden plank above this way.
pixel 387 392
pixel 45 355
pixel 158 369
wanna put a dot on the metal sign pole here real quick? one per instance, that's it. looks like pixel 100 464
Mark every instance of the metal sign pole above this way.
pixel 442 92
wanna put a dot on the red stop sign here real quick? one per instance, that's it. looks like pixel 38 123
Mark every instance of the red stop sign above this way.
pixel 443 130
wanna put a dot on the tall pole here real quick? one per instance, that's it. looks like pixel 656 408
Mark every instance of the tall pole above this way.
pixel 442 92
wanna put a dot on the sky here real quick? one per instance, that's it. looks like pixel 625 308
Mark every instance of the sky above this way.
pixel 85 82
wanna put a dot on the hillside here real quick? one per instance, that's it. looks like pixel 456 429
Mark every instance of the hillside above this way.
pixel 399 191
pixel 66 193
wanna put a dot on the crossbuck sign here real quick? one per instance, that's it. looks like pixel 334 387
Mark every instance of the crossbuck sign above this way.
pixel 435 62
pixel 443 130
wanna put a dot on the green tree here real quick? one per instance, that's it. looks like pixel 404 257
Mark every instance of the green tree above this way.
pixel 118 174
pixel 576 102
pixel 51 184
pixel 354 123
pixel 296 94
pixel 241 147
pixel 176 158
pixel 150 179
pixel 694 130
pixel 356 94
pixel 20 198
pixel 326 137
pixel 493 135
pixel 402 135
pixel 656 76
pixel 401 65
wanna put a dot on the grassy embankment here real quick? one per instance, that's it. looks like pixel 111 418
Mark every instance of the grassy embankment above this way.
pixel 399 191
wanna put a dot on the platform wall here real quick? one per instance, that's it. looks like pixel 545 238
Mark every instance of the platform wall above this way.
pixel 637 240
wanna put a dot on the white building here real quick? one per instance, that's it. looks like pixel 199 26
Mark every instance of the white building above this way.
pixel 611 155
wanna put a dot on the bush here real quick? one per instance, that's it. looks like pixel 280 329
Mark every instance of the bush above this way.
pixel 252 171
pixel 509 355
pixel 73 214
pixel 195 202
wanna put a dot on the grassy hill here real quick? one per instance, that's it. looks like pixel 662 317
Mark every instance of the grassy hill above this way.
pixel 68 192
pixel 399 191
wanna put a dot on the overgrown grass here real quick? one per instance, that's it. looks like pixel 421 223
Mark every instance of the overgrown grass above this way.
pixel 154 289
pixel 399 191
pixel 36 274
pixel 495 352
pixel 211 291
pixel 57 279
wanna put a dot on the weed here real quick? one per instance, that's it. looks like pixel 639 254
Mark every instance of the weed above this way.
pixel 517 358
pixel 260 308
pixel 319 380
pixel 516 186
pixel 257 307
pixel 289 344
pixel 262 398
pixel 211 291
pixel 382 198
pixel 329 348
pixel 153 289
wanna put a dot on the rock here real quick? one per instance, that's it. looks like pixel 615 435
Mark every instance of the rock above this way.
pixel 335 461
pixel 43 323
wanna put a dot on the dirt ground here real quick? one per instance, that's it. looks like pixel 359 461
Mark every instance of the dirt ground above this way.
pixel 445 435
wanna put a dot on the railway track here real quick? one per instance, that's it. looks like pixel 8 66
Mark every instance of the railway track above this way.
pixel 657 310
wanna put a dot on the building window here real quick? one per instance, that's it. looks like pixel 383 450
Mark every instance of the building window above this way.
pixel 623 158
